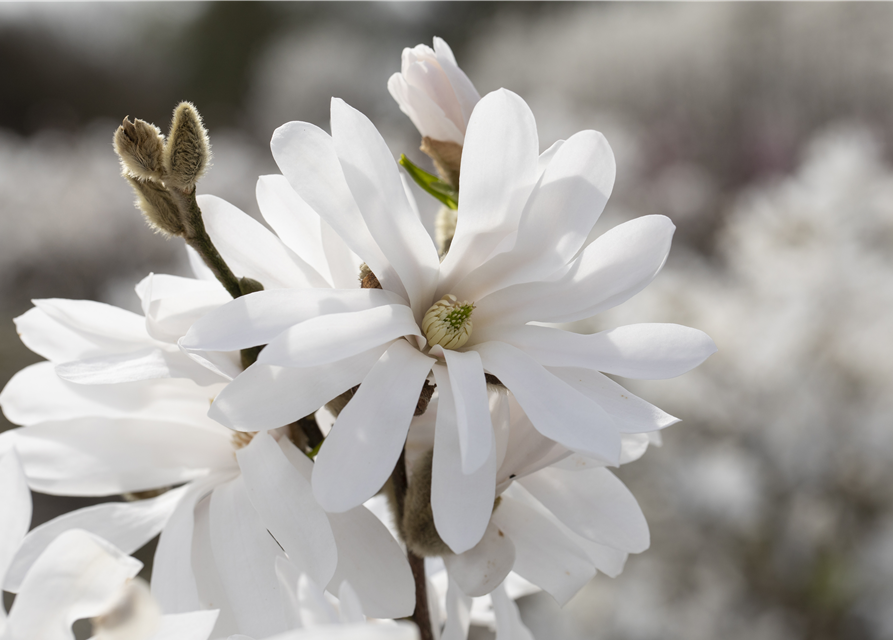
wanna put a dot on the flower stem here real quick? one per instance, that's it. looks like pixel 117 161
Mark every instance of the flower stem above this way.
pixel 197 237
pixel 421 616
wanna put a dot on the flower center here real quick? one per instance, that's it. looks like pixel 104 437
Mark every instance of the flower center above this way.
pixel 448 322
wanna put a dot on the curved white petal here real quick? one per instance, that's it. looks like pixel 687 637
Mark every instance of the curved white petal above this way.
pixel 15 516
pixel 594 504
pixel 109 328
pixel 458 613
pixel 293 220
pixel 195 625
pixel 508 619
pixel 543 554
pixel 361 450
pixel 78 576
pixel 265 397
pixel 253 251
pixel 54 341
pixel 373 178
pixel 481 569
pixel 613 268
pixel 337 336
pixel 469 389
pixel 126 525
pixel 558 411
pixel 103 456
pixel 462 503
pixel 173 304
pixel 246 560
pixel 645 351
pixel 307 158
pixel 146 364
pixel 284 500
pixel 499 165
pixel 257 318
pixel 630 413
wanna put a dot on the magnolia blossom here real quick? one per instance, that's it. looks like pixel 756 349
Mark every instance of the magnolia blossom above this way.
pixel 519 255
pixel 434 92
pixel 148 434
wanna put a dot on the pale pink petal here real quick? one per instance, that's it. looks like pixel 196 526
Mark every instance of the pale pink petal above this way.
pixel 360 452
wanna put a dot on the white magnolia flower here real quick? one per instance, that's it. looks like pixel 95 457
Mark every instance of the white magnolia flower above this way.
pixel 519 255
pixel 146 434
pixel 434 92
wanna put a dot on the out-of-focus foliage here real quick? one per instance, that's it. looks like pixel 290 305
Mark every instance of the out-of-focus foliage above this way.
pixel 763 131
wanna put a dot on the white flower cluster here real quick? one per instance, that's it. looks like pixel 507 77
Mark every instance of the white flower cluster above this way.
pixel 374 447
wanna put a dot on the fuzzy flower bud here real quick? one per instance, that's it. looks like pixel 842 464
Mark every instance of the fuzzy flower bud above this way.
pixel 448 322
pixel 158 207
pixel 140 146
pixel 434 92
pixel 188 150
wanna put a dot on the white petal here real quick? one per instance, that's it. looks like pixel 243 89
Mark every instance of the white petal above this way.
pixel 508 619
pixel 257 318
pixel 195 625
pixel 344 264
pixel 252 251
pixel 340 335
pixel 499 163
pixel 374 180
pixel 481 569
pixel 293 220
pixel 209 586
pixel 15 515
pixel 173 581
pixel 284 500
pixel 108 327
pixel 473 420
pixel 102 456
pixel 174 304
pixel 630 413
pixel 146 364
pixel 246 555
pixel 644 351
pixel 78 576
pixel 462 503
pixel 466 94
pixel 371 561
pixel 360 452
pixel 612 269
pixel 558 411
pixel 561 211
pixel 458 613
pixel 594 504
pixel 350 608
pixel 312 604
pixel 307 158
pixel 54 341
pixel 126 525
pixel 263 397
pixel 543 554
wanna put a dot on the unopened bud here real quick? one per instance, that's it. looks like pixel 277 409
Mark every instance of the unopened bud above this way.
pixel 448 322
pixel 188 150
pixel 140 146
pixel 367 278
pixel 447 157
pixel 158 207
pixel 249 285
pixel 417 527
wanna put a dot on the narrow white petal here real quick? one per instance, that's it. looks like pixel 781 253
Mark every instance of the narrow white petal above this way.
pixel 257 318
pixel 52 340
pixel 508 619
pixel 462 503
pixel 644 351
pixel 543 554
pixel 337 336
pixel 312 605
pixel 173 304
pixel 173 581
pixel 499 164
pixel 252 251
pixel 263 396
pixel 246 560
pixel 78 576
pixel 558 411
pixel 127 525
pixel 481 569
pixel 458 613
pixel 360 452
pixel 284 500
pixel 374 180
pixel 15 515
pixel 350 608
pixel 594 504
pixel 307 158
pixel 108 327
pixel 469 389
pixel 631 414
pixel 195 625
pixel 145 364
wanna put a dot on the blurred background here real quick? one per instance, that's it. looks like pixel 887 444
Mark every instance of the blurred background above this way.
pixel 763 130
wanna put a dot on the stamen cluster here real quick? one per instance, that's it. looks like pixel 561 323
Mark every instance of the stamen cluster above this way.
pixel 448 322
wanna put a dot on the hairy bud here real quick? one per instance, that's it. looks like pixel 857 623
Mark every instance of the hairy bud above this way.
pixel 447 157
pixel 158 207
pixel 188 150
pixel 367 278
pixel 140 146
pixel 417 527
